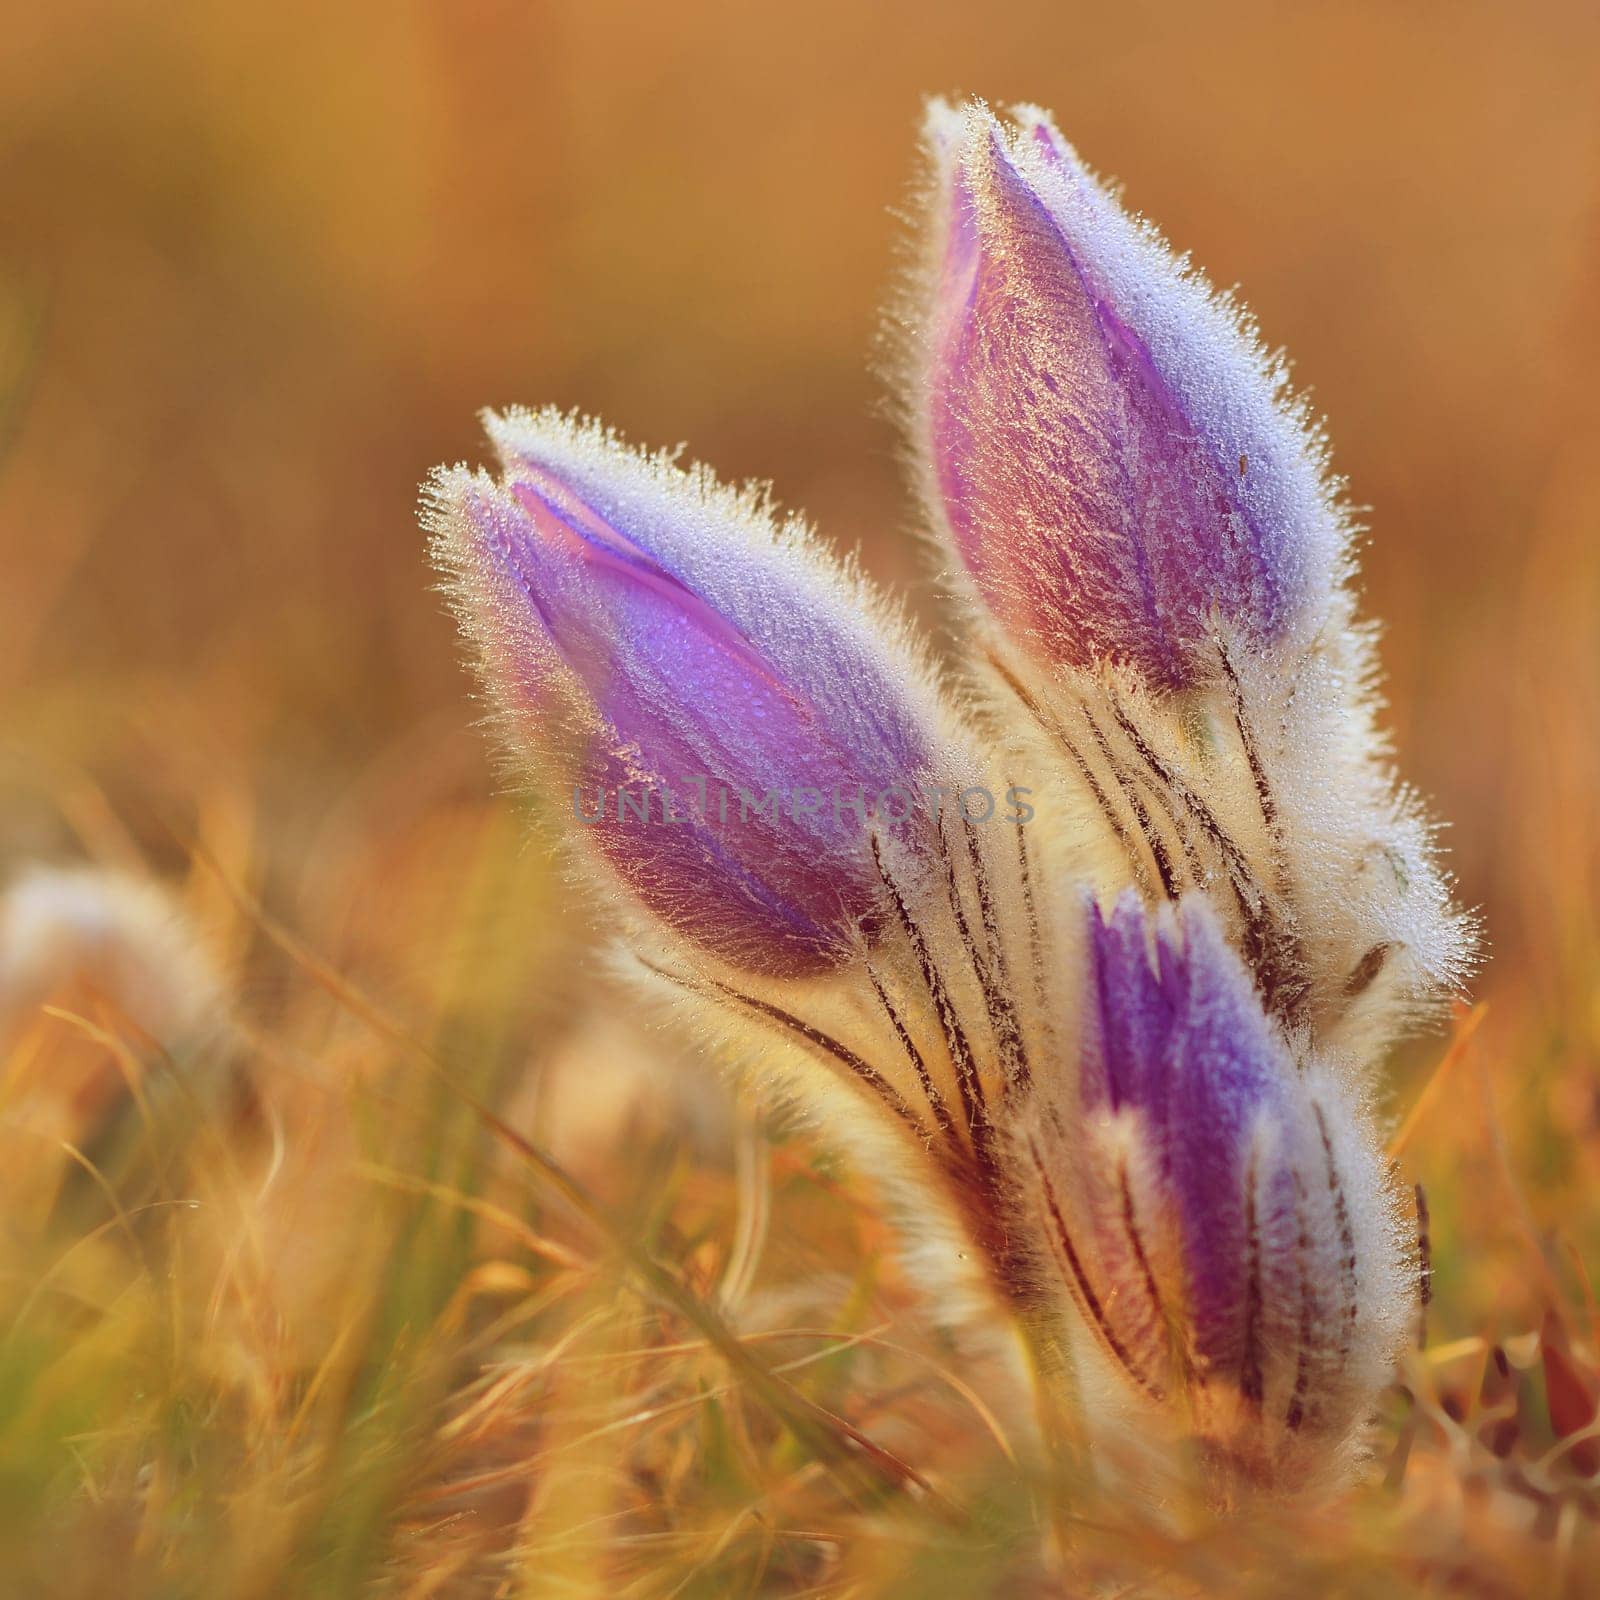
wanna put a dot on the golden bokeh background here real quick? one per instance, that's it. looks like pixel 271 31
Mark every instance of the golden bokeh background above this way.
pixel 261 265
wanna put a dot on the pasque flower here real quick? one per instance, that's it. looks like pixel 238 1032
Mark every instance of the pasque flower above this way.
pixel 1215 1209
pixel 1144 516
pixel 1105 444
pixel 730 714
pixel 1112 1053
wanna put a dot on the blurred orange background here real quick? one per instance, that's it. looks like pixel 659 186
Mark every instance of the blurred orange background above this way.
pixel 261 265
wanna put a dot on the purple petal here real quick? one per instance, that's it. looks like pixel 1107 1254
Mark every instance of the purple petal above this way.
pixel 788 601
pixel 1183 1040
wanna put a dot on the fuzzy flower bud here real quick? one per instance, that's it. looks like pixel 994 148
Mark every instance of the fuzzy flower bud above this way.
pixel 732 716
pixel 1103 442
pixel 1217 1214
pixel 1146 1131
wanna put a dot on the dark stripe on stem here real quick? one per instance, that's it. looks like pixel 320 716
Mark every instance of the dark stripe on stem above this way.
pixel 1347 1240
pixel 1273 952
pixel 1008 1028
pixel 971 1090
pixel 842 1053
pixel 1296 1413
pixel 1030 906
pixel 1141 814
pixel 1088 1300
pixel 1251 1382
pixel 1130 1223
pixel 941 1113
pixel 1052 726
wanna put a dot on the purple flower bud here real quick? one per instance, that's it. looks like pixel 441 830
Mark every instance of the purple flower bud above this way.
pixel 1105 443
pixel 721 702
pixel 1220 1216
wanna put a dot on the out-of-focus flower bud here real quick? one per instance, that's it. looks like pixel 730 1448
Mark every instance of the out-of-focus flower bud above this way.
pixel 102 973
pixel 1107 447
pixel 82 934
pixel 733 716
